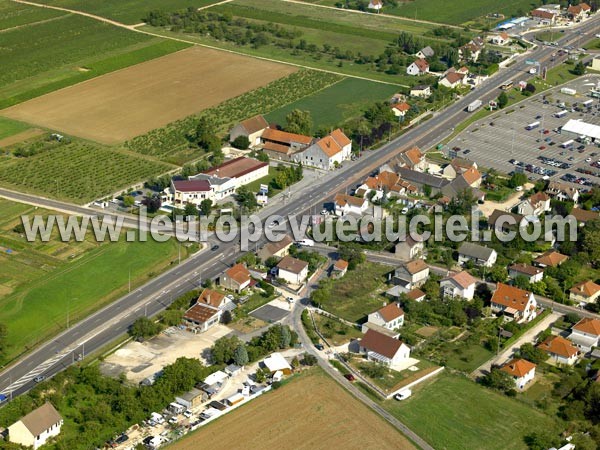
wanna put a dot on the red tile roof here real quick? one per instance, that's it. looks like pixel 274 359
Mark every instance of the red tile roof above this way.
pixel 343 199
pixel 511 297
pixel 415 266
pixel 254 124
pixel 200 313
pixel 402 107
pixel 272 134
pixel 526 269
pixel 291 264
pixel 454 77
pixel 558 345
pixel 588 325
pixel 236 168
pixel 391 312
pixel 415 294
pixel 422 64
pixel 380 343
pixel 210 297
pixel 518 367
pixel 582 215
pixel 551 258
pixel 329 146
pixel 585 288
pixel 463 279
pixel 340 137
pixel 238 273
pixel 340 264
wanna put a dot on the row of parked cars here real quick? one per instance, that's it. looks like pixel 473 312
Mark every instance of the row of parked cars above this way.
pixel 554 162
pixel 532 168
pixel 576 179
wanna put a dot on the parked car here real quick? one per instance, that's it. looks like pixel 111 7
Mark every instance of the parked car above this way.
pixel 39 378
pixel 349 377
pixel 319 346
pixel 187 413
pixel 403 395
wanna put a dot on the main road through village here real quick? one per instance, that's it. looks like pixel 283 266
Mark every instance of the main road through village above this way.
pixel 103 327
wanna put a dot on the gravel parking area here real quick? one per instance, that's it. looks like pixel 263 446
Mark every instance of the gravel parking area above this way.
pixel 504 142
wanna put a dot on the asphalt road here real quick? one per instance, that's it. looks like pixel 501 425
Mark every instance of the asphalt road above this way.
pixel 103 327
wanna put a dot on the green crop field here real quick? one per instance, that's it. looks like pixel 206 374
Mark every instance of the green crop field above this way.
pixel 15 14
pixel 46 56
pixel 454 413
pixel 335 104
pixel 10 127
pixel 78 172
pixel 126 11
pixel 452 13
pixel 40 282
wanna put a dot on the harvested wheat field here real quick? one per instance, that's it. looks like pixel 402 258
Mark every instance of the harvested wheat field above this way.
pixel 311 412
pixel 118 106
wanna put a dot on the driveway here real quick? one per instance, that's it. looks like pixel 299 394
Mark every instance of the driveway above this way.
pixel 528 336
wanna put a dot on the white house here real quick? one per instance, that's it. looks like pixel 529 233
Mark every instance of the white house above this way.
pixel 421 90
pixel 480 255
pixel 532 273
pixel 425 52
pixel 326 153
pixel 560 350
pixel 292 270
pixel 383 349
pixel 400 109
pixel 410 248
pixel 390 316
pixel 562 191
pixel 411 274
pixel 585 292
pixel 452 80
pixel 182 192
pixel 37 427
pixel 461 284
pixel 521 371
pixel 513 303
pixel 418 67
pixel 536 205
pixel 275 362
pixel 585 334
pixel 500 39
pixel 375 5
pixel 348 204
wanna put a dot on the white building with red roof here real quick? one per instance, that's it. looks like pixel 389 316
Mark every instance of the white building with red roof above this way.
pixel 460 284
pixel 585 334
pixel 326 153
pixel 390 316
pixel 513 303
pixel 521 371
pixel 400 109
pixel 418 67
pixel 383 349
pixel 560 350
pixel 585 292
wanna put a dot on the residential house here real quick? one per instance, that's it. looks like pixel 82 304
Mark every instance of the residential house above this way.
pixel 479 254
pixel 37 427
pixel 457 167
pixel 385 183
pixel 390 316
pixel 339 269
pixel 236 278
pixel 513 303
pixel 410 248
pixel 422 179
pixel 411 274
pixel 326 153
pixel 551 258
pixel 411 158
pixel 584 216
pixel 277 249
pixel 471 50
pixel 562 191
pixel 348 204
pixel 400 109
pixel 531 273
pixel 500 39
pixel 282 145
pixel 424 53
pixel 585 292
pixel 585 334
pixel 375 5
pixel 536 205
pixel 416 294
pixel 521 371
pixel 452 80
pixel 293 271
pixel 182 192
pixel 251 128
pixel 504 221
pixel 397 98
pixel 452 189
pixel 578 12
pixel 418 67
pixel 383 349
pixel 421 90
pixel 560 350
pixel 200 317
pixel 460 284
pixel 545 16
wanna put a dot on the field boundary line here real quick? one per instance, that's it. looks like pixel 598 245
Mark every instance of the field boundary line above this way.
pixel 39 22
pixel 214 4
pixel 186 41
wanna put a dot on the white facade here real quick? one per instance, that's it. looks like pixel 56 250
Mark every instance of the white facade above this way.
pixel 450 288
pixel 377 319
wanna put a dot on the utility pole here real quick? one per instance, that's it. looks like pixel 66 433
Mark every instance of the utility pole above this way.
pixel 130 278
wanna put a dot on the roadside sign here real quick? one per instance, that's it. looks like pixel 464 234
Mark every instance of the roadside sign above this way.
pixel 531 62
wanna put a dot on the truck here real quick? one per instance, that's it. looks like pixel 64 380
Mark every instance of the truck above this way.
pixel 474 105
pixel 568 91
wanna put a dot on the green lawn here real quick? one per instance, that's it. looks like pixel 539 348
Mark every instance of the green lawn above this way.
pixel 10 127
pixel 255 185
pixel 358 293
pixel 46 56
pixel 335 104
pixel 453 412
pixel 15 14
pixel 78 172
pixel 334 331
pixel 464 356
pixel 126 11
pixel 40 282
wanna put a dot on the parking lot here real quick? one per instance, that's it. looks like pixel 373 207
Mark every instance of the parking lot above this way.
pixel 503 141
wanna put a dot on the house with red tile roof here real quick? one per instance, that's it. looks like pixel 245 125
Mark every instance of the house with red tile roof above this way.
pixel 400 109
pixel 500 39
pixel 584 216
pixel 578 12
pixel 545 16
pixel 391 316
pixel 339 268
pixel 236 278
pixel 452 79
pixel 375 5
pixel 348 204
pixel 536 205
pixel 560 350
pixel 326 153
pixel 411 274
pixel 513 303
pixel 207 310
pixel 292 270
pixel 532 273
pixel 281 145
pixel 383 349
pixel 585 292
pixel 521 371
pixel 418 67
pixel 460 284
pixel 585 334
pixel 551 258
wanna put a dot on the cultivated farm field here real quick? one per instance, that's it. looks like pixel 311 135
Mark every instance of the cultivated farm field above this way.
pixel 309 412
pixel 124 104
pixel 41 281
pixel 78 171
pixel 337 103
pixel 15 14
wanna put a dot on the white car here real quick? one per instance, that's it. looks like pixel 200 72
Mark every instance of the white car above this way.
pixel 588 160
pixel 404 210
pixel 187 413
pixel 173 420
pixel 519 188
pixel 403 395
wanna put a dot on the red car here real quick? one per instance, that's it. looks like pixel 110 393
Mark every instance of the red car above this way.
pixel 542 147
pixel 546 131
pixel 349 377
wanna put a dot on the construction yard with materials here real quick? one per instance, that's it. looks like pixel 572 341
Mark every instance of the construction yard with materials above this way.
pixel 118 106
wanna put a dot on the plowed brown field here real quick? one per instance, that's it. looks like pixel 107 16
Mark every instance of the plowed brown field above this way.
pixel 123 104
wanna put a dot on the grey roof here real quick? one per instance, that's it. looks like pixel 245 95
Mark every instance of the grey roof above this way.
pixel 428 51
pixel 213 180
pixel 497 213
pixel 191 394
pixel 475 251
pixel 422 178
pixel 420 87
pixel 456 186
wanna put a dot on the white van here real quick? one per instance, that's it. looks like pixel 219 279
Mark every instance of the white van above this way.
pixel 306 242
pixel 403 395
pixel 156 417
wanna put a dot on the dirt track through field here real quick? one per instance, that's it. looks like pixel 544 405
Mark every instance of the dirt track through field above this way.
pixel 310 413
pixel 123 104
